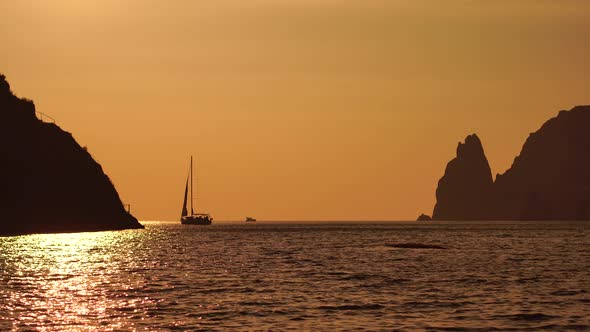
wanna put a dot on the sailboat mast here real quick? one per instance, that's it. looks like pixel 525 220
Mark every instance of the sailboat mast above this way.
pixel 192 181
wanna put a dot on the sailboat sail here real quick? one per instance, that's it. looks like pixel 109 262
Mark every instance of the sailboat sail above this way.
pixel 184 210
pixel 193 218
pixel 192 183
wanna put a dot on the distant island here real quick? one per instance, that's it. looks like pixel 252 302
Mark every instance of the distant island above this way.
pixel 549 180
pixel 48 182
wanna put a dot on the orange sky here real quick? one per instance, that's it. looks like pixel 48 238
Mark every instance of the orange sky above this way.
pixel 295 109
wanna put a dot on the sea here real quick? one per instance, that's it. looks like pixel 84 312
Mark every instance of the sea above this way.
pixel 301 276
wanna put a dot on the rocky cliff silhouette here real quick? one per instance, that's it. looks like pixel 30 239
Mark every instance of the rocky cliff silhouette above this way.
pixel 549 180
pixel 464 191
pixel 48 182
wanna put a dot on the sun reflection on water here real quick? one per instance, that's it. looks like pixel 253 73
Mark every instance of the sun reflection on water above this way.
pixel 69 281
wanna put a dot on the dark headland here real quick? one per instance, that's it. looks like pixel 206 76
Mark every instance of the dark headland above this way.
pixel 48 182
pixel 549 180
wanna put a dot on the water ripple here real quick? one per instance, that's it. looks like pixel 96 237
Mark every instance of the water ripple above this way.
pixel 496 276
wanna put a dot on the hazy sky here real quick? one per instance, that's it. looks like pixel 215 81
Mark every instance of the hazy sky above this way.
pixel 295 109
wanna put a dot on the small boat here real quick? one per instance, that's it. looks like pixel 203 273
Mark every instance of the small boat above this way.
pixel 193 218
pixel 250 219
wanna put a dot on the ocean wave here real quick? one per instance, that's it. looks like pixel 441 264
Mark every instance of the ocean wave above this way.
pixel 415 246
pixel 533 317
pixel 351 307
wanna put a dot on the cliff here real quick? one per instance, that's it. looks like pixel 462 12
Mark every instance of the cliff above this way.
pixel 49 182
pixel 549 180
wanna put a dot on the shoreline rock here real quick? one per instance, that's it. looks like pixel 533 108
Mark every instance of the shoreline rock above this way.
pixel 424 217
pixel 50 184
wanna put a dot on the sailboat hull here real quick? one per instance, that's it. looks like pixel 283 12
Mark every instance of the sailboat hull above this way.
pixel 196 220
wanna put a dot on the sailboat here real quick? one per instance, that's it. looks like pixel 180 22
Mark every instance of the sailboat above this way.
pixel 193 218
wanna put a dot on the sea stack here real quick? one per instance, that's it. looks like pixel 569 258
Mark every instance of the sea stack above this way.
pixel 463 192
pixel 549 180
pixel 49 182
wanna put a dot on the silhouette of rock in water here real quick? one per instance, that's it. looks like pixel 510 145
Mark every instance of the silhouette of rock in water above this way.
pixel 48 182
pixel 463 192
pixel 424 217
pixel 549 180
